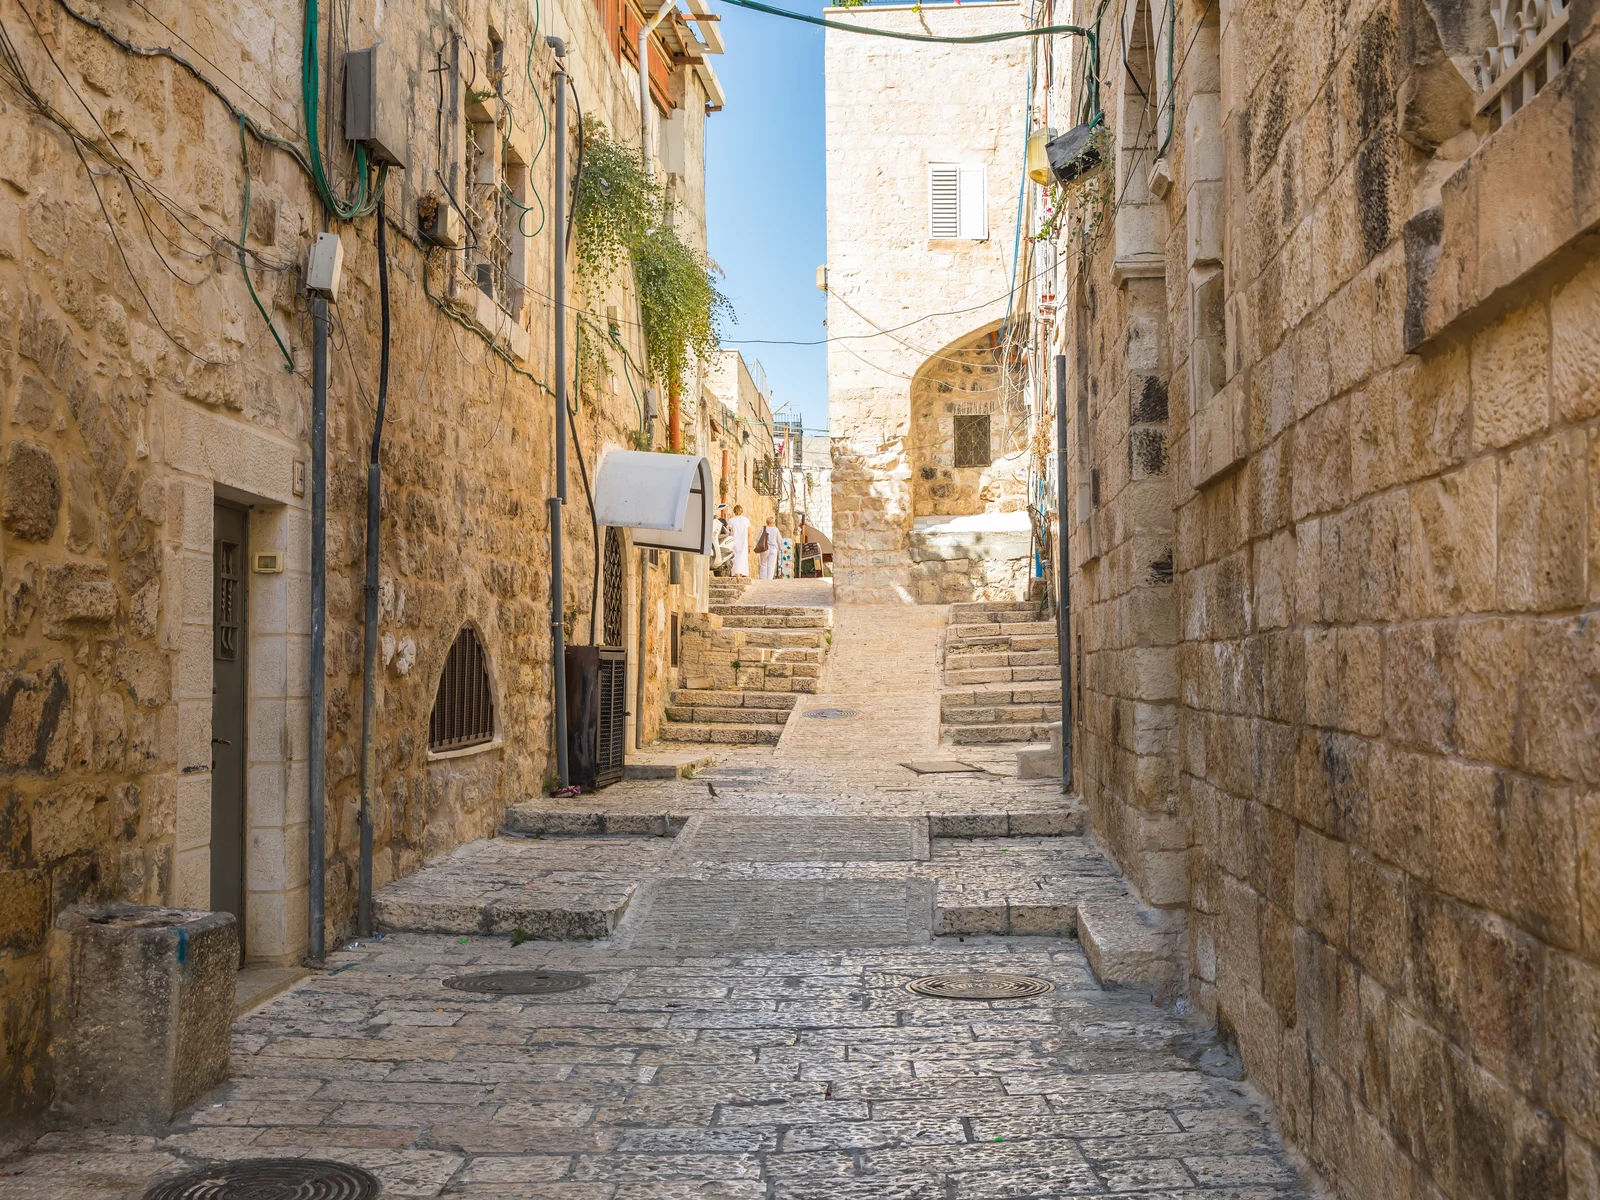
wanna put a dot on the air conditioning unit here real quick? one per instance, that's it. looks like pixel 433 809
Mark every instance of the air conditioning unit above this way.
pixel 597 715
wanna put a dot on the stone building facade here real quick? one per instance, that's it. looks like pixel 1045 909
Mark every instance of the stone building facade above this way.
pixel 1334 390
pixel 155 444
pixel 741 449
pixel 928 414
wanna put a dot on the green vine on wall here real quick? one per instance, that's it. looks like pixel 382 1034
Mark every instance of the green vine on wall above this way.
pixel 621 220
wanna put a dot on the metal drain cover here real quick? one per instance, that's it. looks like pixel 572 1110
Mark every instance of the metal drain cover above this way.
pixel 270 1179
pixel 519 983
pixel 831 714
pixel 989 986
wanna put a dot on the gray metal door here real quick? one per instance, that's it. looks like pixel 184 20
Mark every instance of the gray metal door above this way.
pixel 228 641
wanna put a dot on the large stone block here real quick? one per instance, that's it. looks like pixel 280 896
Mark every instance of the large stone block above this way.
pixel 31 499
pixel 141 1010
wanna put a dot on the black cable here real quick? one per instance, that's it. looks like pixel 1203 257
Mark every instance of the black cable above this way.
pixel 577 172
pixel 383 352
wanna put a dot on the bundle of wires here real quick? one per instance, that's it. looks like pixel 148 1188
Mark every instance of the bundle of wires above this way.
pixel 367 193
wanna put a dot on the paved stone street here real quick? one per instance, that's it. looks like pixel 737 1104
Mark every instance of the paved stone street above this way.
pixel 747 1030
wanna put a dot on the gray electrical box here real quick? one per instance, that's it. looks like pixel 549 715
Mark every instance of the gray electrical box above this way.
pixel 375 101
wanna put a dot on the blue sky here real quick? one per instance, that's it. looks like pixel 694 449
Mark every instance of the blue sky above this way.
pixel 764 202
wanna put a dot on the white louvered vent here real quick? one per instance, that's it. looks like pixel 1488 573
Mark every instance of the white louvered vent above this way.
pixel 958 202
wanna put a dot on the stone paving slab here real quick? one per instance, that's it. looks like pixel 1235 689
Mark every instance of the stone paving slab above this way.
pixel 558 888
pixel 721 838
pixel 686 913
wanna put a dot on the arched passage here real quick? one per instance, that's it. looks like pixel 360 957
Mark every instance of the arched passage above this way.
pixel 968 428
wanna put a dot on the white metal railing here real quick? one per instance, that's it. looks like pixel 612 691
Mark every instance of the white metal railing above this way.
pixel 1530 47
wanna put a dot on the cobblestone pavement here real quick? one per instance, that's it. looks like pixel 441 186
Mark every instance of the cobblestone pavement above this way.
pixel 747 1031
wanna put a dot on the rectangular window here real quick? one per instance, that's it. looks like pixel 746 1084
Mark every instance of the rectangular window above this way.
pixel 972 442
pixel 958 202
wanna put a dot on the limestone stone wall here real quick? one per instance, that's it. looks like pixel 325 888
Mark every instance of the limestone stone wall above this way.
pixel 139 386
pixel 892 109
pixel 1379 316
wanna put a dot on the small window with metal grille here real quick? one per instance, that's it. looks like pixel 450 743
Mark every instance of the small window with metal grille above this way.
pixel 463 708
pixel 225 598
pixel 972 441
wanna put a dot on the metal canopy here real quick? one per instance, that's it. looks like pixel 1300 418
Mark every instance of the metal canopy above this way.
pixel 664 498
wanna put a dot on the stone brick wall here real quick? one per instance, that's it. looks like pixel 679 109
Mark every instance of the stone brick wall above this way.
pixel 1384 486
pixel 133 395
pixel 893 108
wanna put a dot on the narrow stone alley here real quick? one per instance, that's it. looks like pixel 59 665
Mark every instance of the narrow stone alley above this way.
pixel 744 1027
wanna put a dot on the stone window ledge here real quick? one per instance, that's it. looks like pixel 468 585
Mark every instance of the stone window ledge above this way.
pixel 1494 230
pixel 466 751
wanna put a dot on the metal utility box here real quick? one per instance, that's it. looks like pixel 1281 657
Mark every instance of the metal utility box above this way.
pixel 375 103
pixel 597 717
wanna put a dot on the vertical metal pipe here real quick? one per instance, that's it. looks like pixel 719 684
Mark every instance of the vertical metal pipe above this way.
pixel 558 633
pixel 319 619
pixel 644 606
pixel 1064 575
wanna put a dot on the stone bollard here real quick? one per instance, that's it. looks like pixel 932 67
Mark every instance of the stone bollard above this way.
pixel 141 1006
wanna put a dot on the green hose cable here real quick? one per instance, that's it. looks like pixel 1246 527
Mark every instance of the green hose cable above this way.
pixel 1172 99
pixel 244 235
pixel 365 199
pixel 975 39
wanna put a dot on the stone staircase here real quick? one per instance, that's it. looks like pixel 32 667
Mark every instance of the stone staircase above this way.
pixel 743 666
pixel 1002 680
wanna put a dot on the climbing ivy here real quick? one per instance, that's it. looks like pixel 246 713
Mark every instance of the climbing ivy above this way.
pixel 620 219
pixel 683 309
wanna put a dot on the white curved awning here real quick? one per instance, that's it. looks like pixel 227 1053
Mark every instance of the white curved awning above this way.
pixel 664 498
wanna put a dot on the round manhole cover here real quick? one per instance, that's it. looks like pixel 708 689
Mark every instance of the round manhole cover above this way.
pixel 519 983
pixel 980 987
pixel 831 714
pixel 270 1179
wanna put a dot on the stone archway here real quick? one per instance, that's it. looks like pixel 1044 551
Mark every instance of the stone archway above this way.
pixel 969 428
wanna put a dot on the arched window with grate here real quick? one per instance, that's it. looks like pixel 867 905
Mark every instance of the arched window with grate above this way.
pixel 611 582
pixel 463 708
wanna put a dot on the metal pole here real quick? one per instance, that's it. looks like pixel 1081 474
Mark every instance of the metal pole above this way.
pixel 1064 573
pixel 319 619
pixel 644 602
pixel 558 634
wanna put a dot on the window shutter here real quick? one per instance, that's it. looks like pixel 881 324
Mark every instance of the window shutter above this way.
pixel 944 201
pixel 974 206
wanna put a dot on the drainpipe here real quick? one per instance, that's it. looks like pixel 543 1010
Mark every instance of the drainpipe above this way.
pixel 644 601
pixel 319 617
pixel 674 419
pixel 1063 567
pixel 558 633
pixel 645 31
pixel 369 654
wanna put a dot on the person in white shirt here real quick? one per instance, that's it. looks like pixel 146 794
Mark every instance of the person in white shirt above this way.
pixel 769 545
pixel 739 530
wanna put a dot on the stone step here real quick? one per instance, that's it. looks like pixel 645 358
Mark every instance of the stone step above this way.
pixel 761 621
pixel 1021 715
pixel 995 734
pixel 995 617
pixel 1131 945
pixel 726 735
pixel 710 698
pixel 751 656
pixel 1000 658
pixel 730 612
pixel 1000 675
pixel 965 608
pixel 786 639
pixel 969 633
pixel 988 697
pixel 700 714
